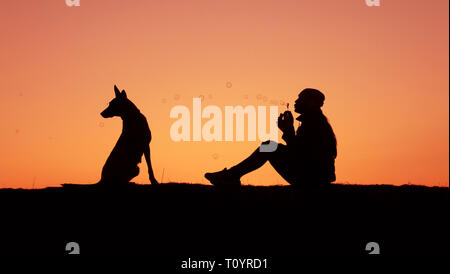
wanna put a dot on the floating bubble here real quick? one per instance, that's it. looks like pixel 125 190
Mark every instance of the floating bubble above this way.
pixel 176 97
pixel 229 84
pixel 210 96
pixel 101 124
pixel 20 94
pixel 163 100
pixel 264 98
pixel 215 156
pixel 17 131
pixel 259 97
pixel 246 96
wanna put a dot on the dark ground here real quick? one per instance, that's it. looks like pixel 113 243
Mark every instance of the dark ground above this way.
pixel 197 220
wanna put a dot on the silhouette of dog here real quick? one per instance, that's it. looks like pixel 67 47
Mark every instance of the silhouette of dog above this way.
pixel 122 164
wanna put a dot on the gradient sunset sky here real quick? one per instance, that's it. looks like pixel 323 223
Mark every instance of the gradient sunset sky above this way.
pixel 384 71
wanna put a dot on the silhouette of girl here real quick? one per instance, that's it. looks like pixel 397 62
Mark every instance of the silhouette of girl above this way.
pixel 308 157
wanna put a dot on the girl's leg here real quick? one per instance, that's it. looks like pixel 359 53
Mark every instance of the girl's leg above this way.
pixel 256 160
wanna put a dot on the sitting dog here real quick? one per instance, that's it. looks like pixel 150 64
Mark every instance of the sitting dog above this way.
pixel 122 164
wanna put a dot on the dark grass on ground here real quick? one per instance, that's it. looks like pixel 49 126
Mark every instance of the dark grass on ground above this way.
pixel 194 220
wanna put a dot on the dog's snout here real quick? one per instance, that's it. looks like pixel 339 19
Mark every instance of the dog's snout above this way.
pixel 106 113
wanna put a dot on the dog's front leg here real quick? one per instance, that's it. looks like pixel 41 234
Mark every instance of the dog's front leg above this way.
pixel 151 176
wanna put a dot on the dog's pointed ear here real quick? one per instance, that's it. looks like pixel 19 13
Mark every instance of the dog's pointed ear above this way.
pixel 124 94
pixel 116 91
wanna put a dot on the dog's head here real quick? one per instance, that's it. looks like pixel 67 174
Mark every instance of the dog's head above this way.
pixel 117 105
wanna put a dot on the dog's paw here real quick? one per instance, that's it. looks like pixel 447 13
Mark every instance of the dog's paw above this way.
pixel 154 182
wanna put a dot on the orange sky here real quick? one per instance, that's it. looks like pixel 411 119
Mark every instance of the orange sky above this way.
pixel 384 71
